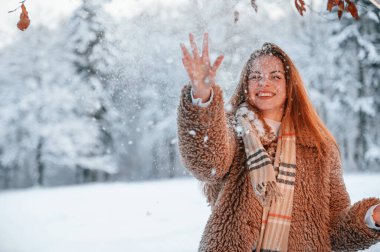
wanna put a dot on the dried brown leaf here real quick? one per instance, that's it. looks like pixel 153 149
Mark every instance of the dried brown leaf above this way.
pixel 300 5
pixel 24 21
pixel 351 8
pixel 340 14
pixel 330 5
pixel 341 5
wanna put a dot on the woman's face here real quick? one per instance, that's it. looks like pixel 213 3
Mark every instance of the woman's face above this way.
pixel 267 86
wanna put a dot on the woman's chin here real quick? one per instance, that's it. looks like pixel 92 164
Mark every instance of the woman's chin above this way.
pixel 264 105
pixel 267 107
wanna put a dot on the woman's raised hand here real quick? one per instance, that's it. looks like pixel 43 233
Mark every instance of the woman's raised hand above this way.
pixel 198 67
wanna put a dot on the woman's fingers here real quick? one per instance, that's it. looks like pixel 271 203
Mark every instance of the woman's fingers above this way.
pixel 215 67
pixel 186 53
pixel 194 47
pixel 187 62
pixel 198 67
pixel 205 55
pixel 217 63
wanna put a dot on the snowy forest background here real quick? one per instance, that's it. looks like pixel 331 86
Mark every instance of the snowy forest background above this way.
pixel 94 97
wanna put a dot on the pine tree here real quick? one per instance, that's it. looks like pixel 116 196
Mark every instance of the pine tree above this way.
pixel 92 55
pixel 358 76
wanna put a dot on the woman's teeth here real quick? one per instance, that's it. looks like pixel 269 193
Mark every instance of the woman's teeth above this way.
pixel 265 94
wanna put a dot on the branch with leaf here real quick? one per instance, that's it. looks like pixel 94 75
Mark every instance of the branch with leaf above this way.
pixel 342 5
pixel 24 21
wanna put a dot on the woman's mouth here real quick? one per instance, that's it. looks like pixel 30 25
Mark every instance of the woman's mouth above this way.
pixel 265 95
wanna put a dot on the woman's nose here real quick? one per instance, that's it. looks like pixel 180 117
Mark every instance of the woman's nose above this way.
pixel 265 81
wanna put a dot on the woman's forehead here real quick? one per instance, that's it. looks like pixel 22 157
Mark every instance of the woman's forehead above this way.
pixel 267 63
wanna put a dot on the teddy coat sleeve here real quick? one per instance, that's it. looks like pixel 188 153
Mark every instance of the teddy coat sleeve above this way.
pixel 348 231
pixel 206 140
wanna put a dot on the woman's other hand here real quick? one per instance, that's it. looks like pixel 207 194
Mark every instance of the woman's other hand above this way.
pixel 376 215
pixel 198 67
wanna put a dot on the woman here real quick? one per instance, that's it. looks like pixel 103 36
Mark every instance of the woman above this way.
pixel 271 169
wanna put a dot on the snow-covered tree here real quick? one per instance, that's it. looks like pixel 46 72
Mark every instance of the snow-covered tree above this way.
pixel 357 46
pixel 26 75
pixel 53 118
pixel 92 53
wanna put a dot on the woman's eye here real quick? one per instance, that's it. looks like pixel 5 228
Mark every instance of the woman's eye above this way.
pixel 256 77
pixel 276 77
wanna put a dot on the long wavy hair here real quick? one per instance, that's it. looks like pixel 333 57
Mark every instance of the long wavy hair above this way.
pixel 298 109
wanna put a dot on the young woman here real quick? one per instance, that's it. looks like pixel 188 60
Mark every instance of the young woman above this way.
pixel 271 170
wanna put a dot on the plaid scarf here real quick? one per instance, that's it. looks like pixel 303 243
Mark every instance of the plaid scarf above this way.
pixel 275 192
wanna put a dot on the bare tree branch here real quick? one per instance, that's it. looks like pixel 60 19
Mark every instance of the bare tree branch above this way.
pixel 17 7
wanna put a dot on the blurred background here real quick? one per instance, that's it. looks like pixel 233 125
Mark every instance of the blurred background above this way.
pixel 89 92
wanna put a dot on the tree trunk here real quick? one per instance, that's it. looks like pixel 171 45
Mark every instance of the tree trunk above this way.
pixel 40 164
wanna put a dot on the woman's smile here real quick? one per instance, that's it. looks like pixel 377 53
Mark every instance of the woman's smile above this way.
pixel 265 95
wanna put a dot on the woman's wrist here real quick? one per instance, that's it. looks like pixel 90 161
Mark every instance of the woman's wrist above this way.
pixel 204 93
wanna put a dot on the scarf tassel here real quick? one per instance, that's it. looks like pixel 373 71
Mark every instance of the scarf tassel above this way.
pixel 267 192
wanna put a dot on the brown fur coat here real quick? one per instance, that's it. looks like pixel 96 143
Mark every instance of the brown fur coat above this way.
pixel 322 219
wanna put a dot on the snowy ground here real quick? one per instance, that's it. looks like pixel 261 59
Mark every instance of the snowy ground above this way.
pixel 147 216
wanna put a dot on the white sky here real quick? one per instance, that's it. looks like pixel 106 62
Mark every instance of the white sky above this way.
pixel 50 12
